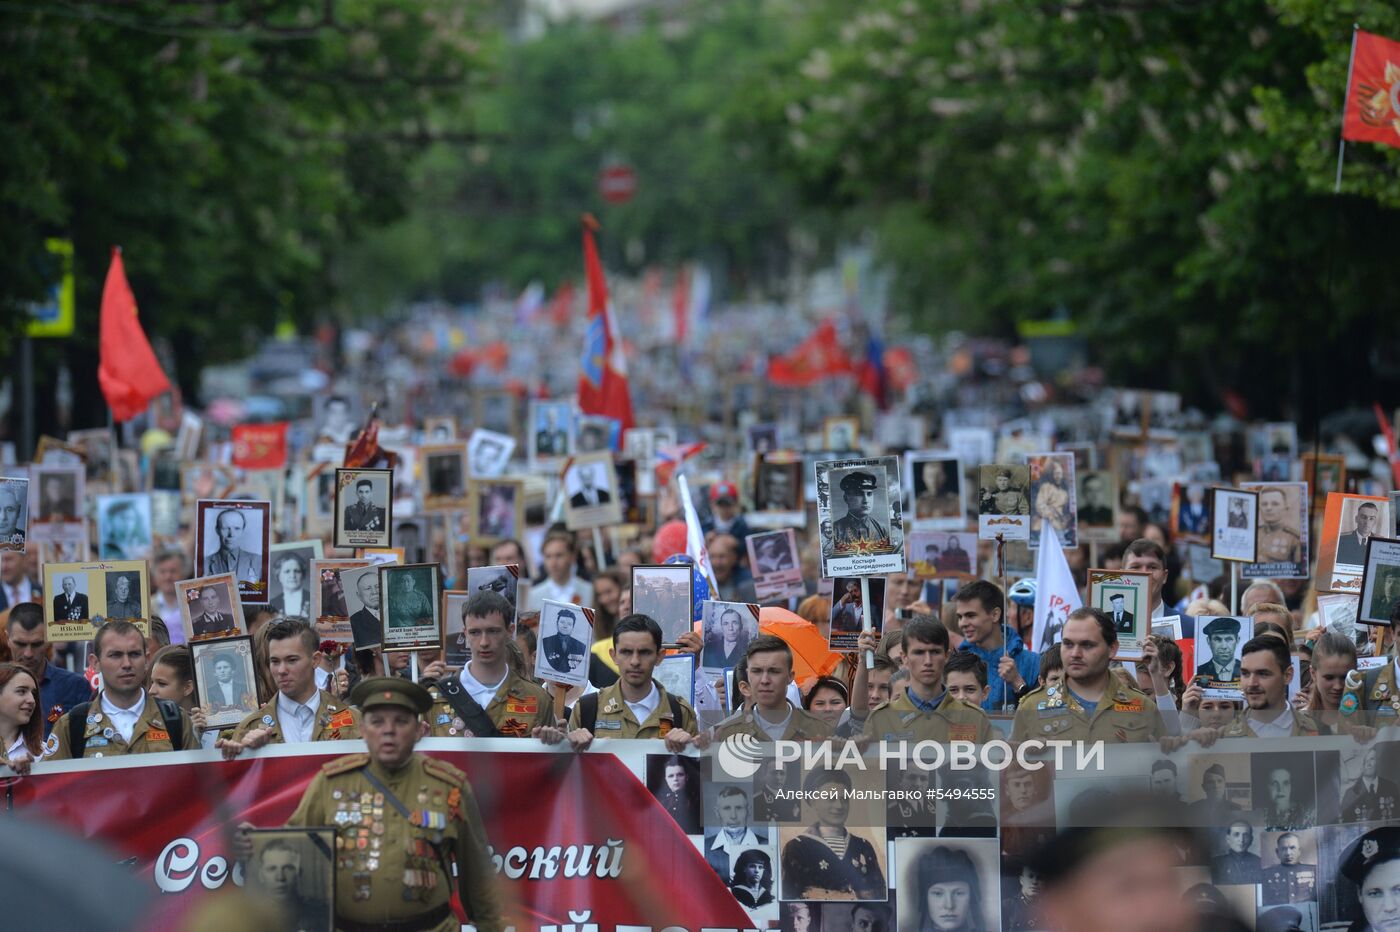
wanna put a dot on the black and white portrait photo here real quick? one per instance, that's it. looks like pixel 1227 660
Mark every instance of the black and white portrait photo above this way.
pixel 126 597
pixel 1234 520
pixel 936 484
pixel 551 434
pixel 336 425
pixel 441 429
pixel 233 536
pixel 590 489
pixel 498 510
pixel 565 633
pixel 225 684
pixel 55 503
pixel 14 514
pixel 289 589
pixel 411 536
pixel 595 434
pixel 445 477
pixel 361 588
pixel 70 603
pixel 363 507
pixel 858 511
pixel 948 885
pixel 488 453
pixel 773 559
pixel 124 526
pixel 778 486
pixel 727 629
pixel 1219 640
pixel 293 870
pixel 210 608
pixel 504 580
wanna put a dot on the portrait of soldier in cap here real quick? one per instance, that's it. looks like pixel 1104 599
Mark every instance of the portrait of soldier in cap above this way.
pixel 1290 880
pixel 1004 495
pixel 947 890
pixel 1222 637
pixel 1122 618
pixel 858 489
pixel 1372 864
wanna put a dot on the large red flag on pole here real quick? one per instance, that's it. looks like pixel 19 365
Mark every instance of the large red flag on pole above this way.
pixel 1372 111
pixel 820 356
pixel 127 370
pixel 602 380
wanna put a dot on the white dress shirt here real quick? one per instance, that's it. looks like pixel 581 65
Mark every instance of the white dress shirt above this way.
pixel 24 592
pixel 298 719
pixel 124 720
pixel 574 590
pixel 483 694
pixel 774 730
pixel 647 706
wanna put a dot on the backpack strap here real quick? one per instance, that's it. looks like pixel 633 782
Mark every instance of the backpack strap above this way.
pixel 676 714
pixel 174 725
pixel 77 729
pixel 588 712
pixel 467 708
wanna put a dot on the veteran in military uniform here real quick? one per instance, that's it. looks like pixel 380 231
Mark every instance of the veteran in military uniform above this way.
pixel 1004 499
pixel 1289 881
pixel 122 718
pixel 363 514
pixel 828 861
pixel 488 698
pixel 1378 696
pixel 1278 543
pixel 1238 865
pixel 401 821
pixel 1120 714
pixel 858 492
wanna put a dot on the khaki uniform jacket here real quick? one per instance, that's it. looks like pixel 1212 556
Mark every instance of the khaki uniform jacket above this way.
pixel 615 719
pixel 1303 724
pixel 519 707
pixel 103 739
pixel 1124 716
pixel 803 726
pixel 334 721
pixel 1378 695
pixel 388 870
pixel 953 720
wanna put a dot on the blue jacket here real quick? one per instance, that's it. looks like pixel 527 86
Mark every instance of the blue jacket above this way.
pixel 1027 662
pixel 60 691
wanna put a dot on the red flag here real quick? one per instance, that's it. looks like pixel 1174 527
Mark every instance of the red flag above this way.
pixel 602 380
pixel 818 357
pixel 127 369
pixel 260 446
pixel 1372 111
pixel 680 303
pixel 364 451
pixel 562 305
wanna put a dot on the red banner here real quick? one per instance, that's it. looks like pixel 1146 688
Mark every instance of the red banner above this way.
pixel 260 446
pixel 1372 111
pixel 569 832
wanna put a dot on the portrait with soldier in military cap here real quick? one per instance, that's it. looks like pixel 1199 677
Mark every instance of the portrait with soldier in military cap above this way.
pixel 1218 643
pixel 858 500
pixel 1361 866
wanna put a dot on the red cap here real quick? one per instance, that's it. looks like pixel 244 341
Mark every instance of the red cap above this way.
pixel 724 490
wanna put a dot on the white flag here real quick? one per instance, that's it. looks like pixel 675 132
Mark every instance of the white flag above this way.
pixel 1056 595
pixel 695 537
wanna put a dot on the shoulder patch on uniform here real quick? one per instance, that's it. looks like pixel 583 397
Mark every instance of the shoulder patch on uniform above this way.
pixel 882 705
pixel 444 771
pixel 345 764
pixel 342 719
pixel 51 745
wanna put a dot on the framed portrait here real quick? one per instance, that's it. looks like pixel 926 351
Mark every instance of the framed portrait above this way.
pixel 233 536
pixel 504 580
pixel 210 607
pixel 862 875
pixel 726 629
pixel 225 682
pixel 642 444
pixel 1003 501
pixel 97 446
pixel 1219 640
pixel 1097 505
pixel 79 596
pixel 497 511
pixel 665 592
pixel 364 507
pixel 318 499
pixel 456 650
pixel 899 431
pixel 1123 597
pixel 1234 525
pixel 295 869
pixel 1190 511
pixel 124 526
pixel 974 862
pixel 565 633
pixel 289 586
pixel 550 434
pixel 1052 491
pixel 444 476
pixel 777 492
pixel 1348 522
pixel 56 503
pixel 1380 582
pixel 1324 473
pixel 634 508
pixel 360 586
pixel 848 611
pixel 595 434
pixel 488 453
pixel 499 410
pixel 676 674
pixel 1283 531
pixel 933 554
pixel 841 434
pixel 14 513
pixel 188 436
pixel 861 524
pixel 590 492
pixel 412 606
pixel 762 438
pixel 440 429
pixel 330 602
pixel 411 536
pixel 937 491
pixel 777 571
pixel 206 480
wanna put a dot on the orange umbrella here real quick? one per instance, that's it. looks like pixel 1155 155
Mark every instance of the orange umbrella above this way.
pixel 811 656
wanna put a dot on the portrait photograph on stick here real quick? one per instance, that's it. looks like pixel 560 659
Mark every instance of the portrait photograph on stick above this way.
pixel 860 524
pixel 233 536
pixel 225 683
pixel 364 507
pixel 210 607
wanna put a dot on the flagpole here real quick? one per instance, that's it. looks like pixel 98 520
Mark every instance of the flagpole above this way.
pixel 1342 142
